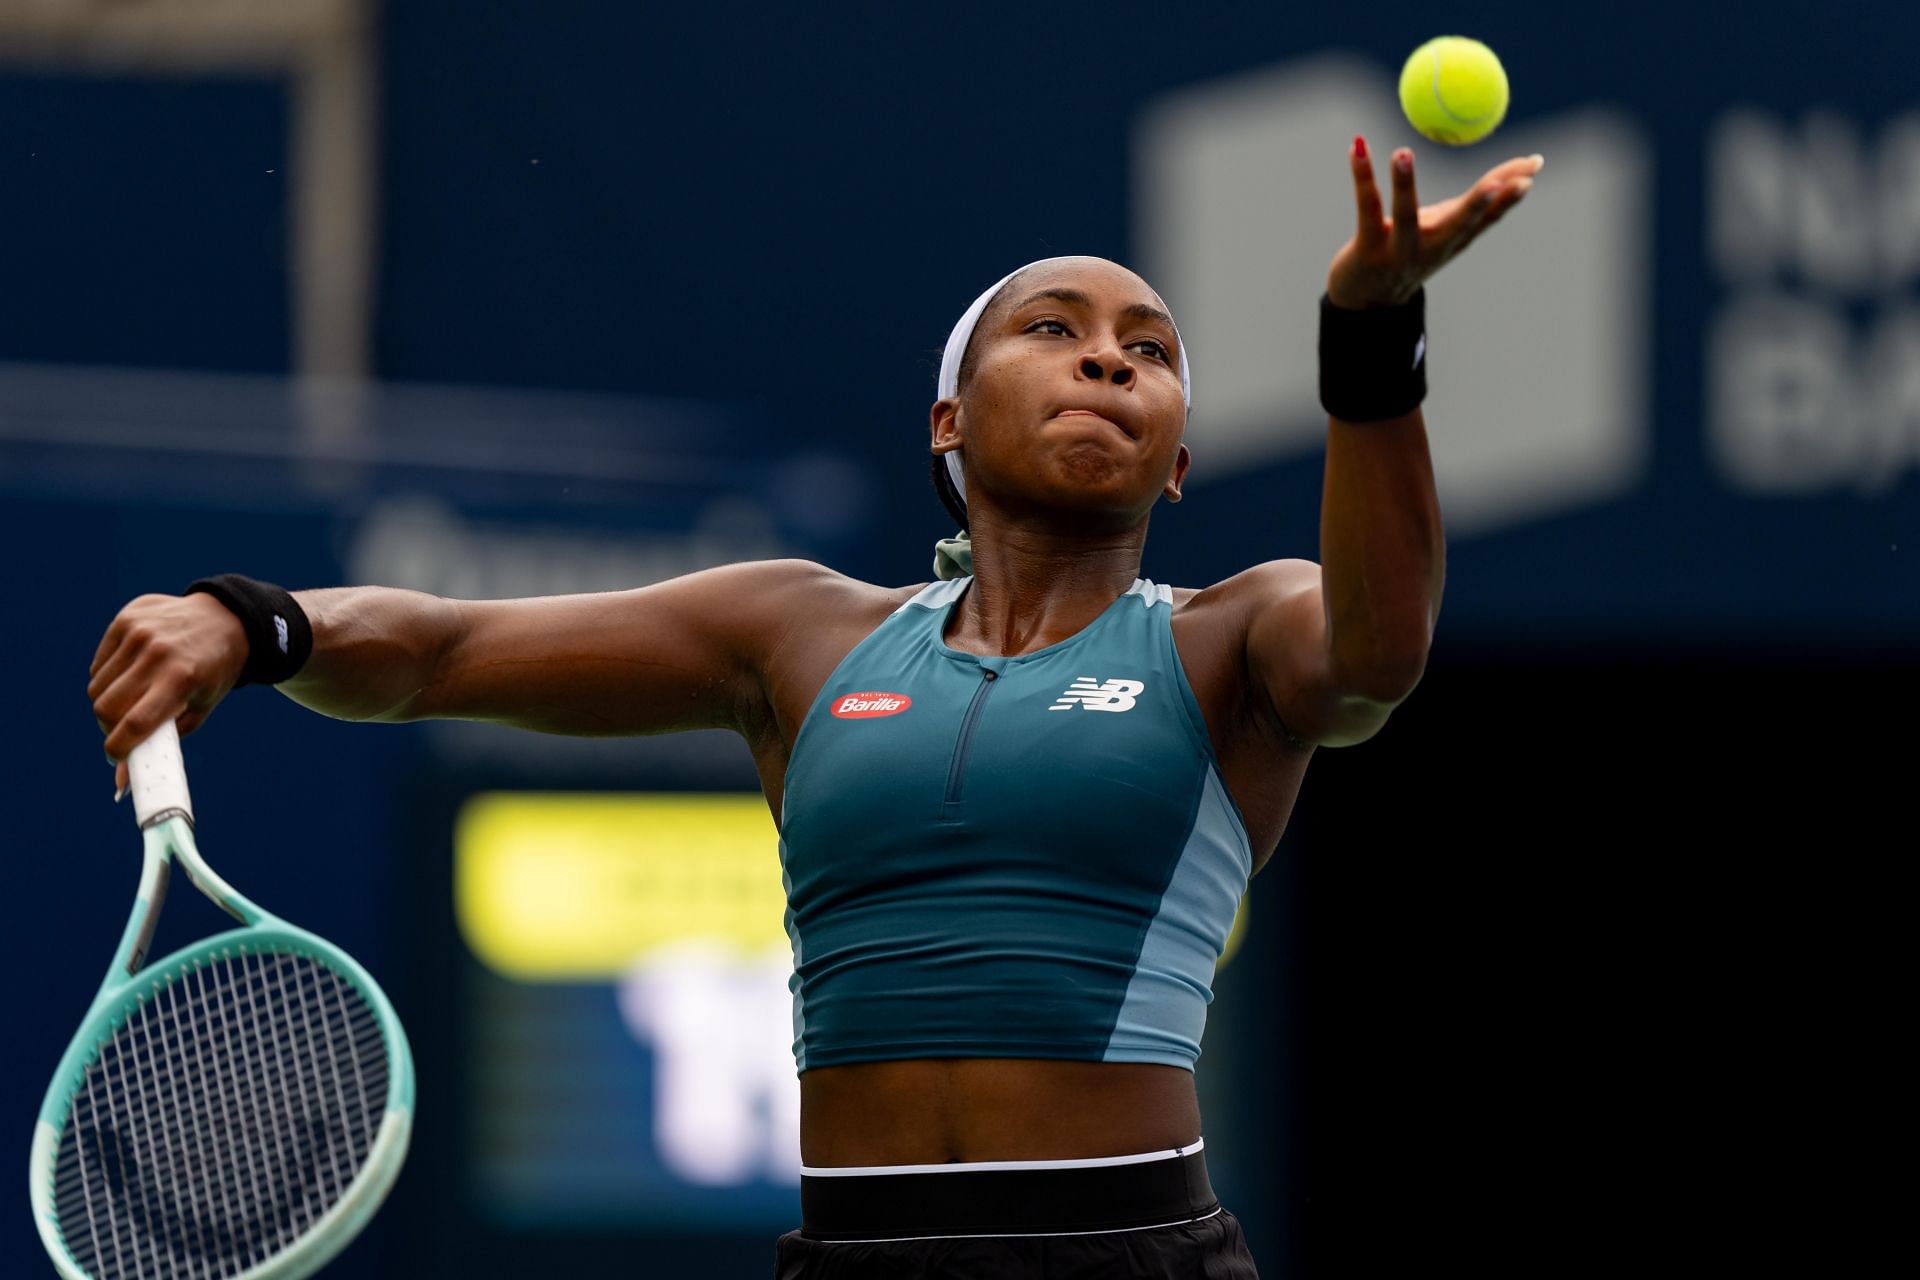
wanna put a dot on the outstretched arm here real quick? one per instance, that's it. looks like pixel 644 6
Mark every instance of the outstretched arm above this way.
pixel 683 654
pixel 1339 644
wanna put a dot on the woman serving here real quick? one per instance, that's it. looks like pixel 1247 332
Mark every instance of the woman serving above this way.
pixel 1017 806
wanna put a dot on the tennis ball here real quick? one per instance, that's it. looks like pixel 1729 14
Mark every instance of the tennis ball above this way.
pixel 1454 90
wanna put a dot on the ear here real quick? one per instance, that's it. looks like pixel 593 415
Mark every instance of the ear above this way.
pixel 944 420
pixel 1181 461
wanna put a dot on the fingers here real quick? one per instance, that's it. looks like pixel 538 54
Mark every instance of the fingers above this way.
pixel 1447 222
pixel 1372 231
pixel 1518 167
pixel 134 702
pixel 1502 183
pixel 158 706
pixel 1502 186
pixel 121 779
pixel 162 656
pixel 1419 242
pixel 110 641
pixel 1511 194
pixel 124 691
pixel 106 672
pixel 1406 208
pixel 1480 211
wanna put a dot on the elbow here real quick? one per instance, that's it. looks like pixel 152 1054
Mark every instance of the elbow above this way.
pixel 426 662
pixel 1381 657
pixel 1388 677
pixel 406 711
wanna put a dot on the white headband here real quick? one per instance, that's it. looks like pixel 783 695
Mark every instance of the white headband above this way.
pixel 957 348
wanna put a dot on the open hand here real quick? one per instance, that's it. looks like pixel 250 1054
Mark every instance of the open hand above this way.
pixel 1386 262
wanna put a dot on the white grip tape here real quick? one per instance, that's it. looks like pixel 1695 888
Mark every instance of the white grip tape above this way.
pixel 158 777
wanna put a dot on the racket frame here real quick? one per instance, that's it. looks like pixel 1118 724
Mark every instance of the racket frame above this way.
pixel 129 984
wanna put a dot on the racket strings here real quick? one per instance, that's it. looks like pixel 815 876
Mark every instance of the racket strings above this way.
pixel 229 1110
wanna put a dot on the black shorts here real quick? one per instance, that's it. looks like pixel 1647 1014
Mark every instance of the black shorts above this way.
pixel 1152 1215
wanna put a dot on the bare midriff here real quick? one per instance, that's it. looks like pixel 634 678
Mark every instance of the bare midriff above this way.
pixel 941 1110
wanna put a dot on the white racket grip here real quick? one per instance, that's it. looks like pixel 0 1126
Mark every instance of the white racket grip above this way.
pixel 158 777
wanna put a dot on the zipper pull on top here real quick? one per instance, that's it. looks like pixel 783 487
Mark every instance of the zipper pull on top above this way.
pixel 957 767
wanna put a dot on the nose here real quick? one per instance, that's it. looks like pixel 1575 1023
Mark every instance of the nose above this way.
pixel 1094 368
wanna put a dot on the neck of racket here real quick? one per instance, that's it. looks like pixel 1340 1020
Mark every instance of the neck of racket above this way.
pixel 164 808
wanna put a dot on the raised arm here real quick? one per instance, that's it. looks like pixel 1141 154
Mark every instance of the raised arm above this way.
pixel 683 654
pixel 1338 645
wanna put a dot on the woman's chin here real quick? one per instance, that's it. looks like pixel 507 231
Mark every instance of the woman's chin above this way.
pixel 1095 481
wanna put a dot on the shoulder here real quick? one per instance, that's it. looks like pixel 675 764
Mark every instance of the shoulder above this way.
pixel 795 583
pixel 1249 590
pixel 800 607
pixel 1215 628
pixel 811 618
pixel 831 589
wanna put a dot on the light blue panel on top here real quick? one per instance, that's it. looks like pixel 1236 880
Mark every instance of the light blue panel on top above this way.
pixel 1160 1015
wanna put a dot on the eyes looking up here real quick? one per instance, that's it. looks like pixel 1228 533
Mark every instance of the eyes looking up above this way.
pixel 1153 348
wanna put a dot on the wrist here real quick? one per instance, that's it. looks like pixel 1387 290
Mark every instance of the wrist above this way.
pixel 1373 360
pixel 226 634
pixel 1357 302
pixel 275 634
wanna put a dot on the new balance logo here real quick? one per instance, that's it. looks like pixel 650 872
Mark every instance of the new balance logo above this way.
pixel 280 631
pixel 1091 695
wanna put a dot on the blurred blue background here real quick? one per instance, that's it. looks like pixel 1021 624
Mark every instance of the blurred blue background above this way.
pixel 506 300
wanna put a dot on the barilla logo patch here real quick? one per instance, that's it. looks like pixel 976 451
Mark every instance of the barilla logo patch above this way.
pixel 867 706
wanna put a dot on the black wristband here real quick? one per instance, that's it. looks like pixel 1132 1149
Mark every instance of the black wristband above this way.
pixel 1373 363
pixel 279 636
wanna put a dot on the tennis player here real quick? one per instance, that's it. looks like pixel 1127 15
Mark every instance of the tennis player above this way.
pixel 1018 806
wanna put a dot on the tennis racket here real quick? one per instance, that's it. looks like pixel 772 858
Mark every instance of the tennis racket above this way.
pixel 237 1109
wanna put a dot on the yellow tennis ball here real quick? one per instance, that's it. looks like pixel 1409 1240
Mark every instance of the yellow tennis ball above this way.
pixel 1454 90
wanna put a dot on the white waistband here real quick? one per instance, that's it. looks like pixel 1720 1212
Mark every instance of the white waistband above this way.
pixel 986 1166
pixel 1029 1235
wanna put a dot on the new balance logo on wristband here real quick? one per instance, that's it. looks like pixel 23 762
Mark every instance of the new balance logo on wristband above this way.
pixel 1091 695
pixel 280 631
pixel 1419 352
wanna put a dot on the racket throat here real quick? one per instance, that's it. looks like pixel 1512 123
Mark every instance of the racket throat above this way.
pixel 155 895
pixel 214 894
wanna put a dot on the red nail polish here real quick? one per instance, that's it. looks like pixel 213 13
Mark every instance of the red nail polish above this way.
pixel 1360 148
pixel 1404 162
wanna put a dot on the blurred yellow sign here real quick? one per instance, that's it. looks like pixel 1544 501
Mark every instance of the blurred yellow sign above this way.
pixel 563 887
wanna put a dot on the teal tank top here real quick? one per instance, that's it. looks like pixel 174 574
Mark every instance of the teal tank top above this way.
pixel 993 857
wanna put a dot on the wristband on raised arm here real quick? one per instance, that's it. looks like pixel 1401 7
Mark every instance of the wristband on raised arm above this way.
pixel 1373 363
